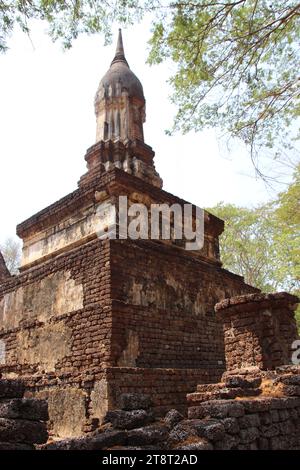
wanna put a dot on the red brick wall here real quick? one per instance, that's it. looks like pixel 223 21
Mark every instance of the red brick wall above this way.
pixel 90 326
pixel 259 329
pixel 163 303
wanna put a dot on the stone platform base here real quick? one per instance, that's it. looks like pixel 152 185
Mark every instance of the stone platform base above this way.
pixel 78 404
pixel 166 387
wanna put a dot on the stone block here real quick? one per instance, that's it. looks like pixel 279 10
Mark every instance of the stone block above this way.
pixel 229 442
pixel 11 388
pixel 121 419
pixel 25 431
pixel 291 390
pixel 211 429
pixel 99 441
pixel 270 431
pixel 135 401
pixel 172 418
pixel 199 444
pixel 231 425
pixel 152 434
pixel 274 416
pixel 265 417
pixel 240 381
pixel 290 379
pixel 263 443
pixel 252 420
pixel 279 443
pixel 181 432
pixel 283 415
pixel 249 435
pixel 217 409
pixel 287 427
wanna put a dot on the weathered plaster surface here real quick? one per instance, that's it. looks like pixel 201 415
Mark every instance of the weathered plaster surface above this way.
pixel 163 293
pixel 99 400
pixel 56 294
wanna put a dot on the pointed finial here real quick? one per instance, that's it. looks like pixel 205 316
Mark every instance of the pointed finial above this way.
pixel 119 56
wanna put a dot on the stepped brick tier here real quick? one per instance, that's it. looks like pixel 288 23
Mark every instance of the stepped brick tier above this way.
pixel 254 409
pixel 259 329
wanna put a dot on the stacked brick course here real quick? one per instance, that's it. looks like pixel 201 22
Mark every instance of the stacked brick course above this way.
pixel 89 326
pixel 166 387
pixel 263 422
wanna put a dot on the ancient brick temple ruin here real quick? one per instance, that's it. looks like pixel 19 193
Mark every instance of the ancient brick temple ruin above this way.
pixel 4 272
pixel 90 318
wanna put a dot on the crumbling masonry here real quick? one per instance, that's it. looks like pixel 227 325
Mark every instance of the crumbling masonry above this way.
pixel 88 319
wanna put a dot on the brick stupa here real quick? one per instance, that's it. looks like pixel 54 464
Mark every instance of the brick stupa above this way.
pixel 87 318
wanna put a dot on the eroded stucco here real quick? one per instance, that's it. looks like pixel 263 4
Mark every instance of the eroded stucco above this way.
pixel 99 400
pixel 131 352
pixel 73 231
pixel 56 294
pixel 164 293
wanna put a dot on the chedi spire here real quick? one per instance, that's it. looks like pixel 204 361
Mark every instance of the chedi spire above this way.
pixel 120 115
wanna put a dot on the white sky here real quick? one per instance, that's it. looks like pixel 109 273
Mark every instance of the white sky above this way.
pixel 47 122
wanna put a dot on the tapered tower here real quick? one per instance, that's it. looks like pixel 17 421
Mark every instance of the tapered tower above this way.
pixel 120 115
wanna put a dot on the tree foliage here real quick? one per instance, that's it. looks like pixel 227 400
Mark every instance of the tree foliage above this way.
pixel 237 66
pixel 287 236
pixel 11 251
pixel 247 246
pixel 67 19
pixel 263 244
